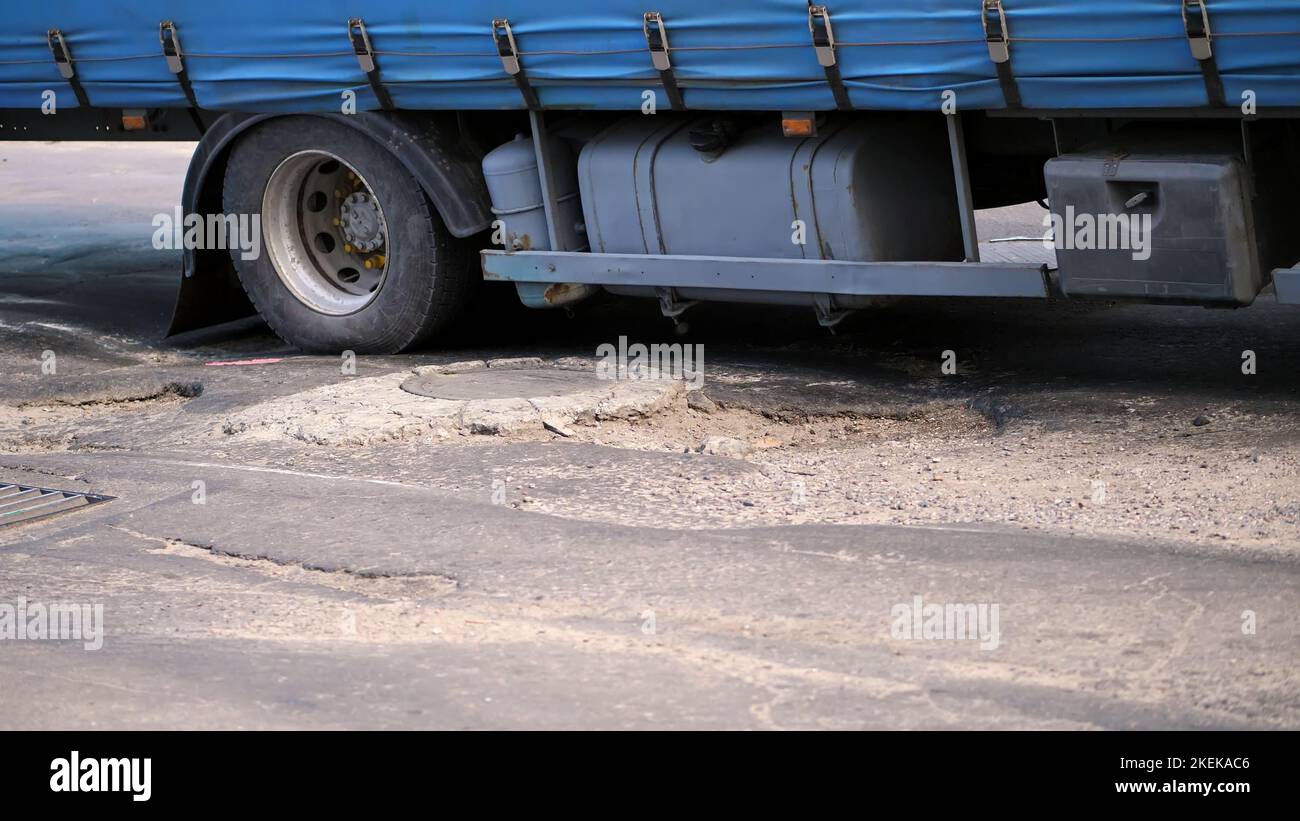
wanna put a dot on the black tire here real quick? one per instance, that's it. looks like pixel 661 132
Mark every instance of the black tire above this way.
pixel 427 281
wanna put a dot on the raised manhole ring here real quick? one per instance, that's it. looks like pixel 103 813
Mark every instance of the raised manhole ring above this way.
pixel 501 384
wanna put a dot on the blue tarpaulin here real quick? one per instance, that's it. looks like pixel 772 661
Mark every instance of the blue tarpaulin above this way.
pixel 257 55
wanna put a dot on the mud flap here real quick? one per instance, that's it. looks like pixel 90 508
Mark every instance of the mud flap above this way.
pixel 210 293
pixel 209 298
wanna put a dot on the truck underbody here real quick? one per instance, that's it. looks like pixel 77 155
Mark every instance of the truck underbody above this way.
pixel 881 204
pixel 759 167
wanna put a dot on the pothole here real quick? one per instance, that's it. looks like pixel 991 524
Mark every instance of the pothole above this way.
pixel 101 392
pixel 474 399
pixel 496 384
pixel 401 588
pixel 38 419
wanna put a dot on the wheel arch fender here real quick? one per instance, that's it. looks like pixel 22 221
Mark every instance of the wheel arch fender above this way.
pixel 427 146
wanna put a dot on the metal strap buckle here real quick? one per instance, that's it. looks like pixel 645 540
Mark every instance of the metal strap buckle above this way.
pixel 1110 167
pixel 656 35
pixel 62 57
pixel 171 46
pixel 819 23
pixel 1196 18
pixel 360 39
pixel 995 31
pixel 505 40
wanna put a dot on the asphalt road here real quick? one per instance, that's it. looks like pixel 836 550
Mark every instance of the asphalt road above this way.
pixel 270 562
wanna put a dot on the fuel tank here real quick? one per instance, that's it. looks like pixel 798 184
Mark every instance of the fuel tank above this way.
pixel 870 189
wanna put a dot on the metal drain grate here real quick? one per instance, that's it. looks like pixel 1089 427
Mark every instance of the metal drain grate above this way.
pixel 21 503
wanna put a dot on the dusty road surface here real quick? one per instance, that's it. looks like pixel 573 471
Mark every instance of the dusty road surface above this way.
pixel 487 535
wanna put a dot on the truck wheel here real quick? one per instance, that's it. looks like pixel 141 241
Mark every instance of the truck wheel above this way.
pixel 353 255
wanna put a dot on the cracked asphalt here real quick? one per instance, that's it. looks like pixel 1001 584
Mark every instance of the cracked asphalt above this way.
pixel 290 546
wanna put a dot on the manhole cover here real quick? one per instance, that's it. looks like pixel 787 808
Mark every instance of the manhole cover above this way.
pixel 22 503
pixel 500 384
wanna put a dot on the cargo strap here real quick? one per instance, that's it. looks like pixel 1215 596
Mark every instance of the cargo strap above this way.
pixel 504 38
pixel 998 38
pixel 365 52
pixel 823 37
pixel 1196 18
pixel 63 59
pixel 656 35
pixel 171 46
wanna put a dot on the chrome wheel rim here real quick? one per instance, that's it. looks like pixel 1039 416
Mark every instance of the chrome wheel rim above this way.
pixel 326 233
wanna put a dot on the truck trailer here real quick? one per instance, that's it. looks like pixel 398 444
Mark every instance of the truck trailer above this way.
pixel 394 152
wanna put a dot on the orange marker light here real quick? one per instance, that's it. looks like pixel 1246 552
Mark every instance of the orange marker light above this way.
pixel 799 126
